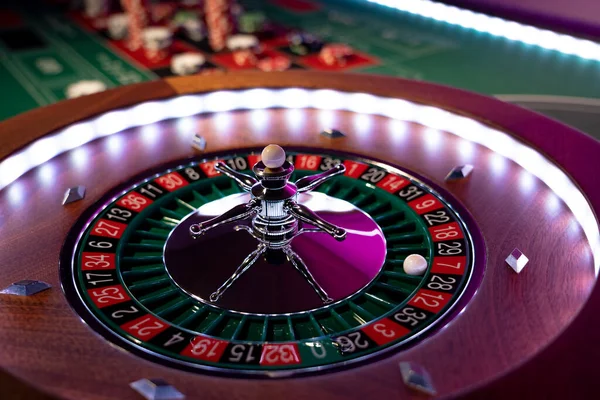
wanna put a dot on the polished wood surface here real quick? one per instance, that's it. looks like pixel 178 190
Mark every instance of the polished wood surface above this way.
pixel 510 319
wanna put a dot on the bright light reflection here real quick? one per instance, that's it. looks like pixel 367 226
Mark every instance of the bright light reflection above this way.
pixel 526 182
pixel 222 121
pixel 148 113
pixel 258 99
pixel 326 119
pixel 221 101
pixel 43 150
pixel 185 126
pixel 80 156
pixel 294 98
pixel 13 167
pixel 45 174
pixel 150 134
pixel 184 106
pixel 326 99
pixel 110 123
pixel 115 144
pixel 498 164
pixel 259 119
pixel 16 194
pixel 295 118
pixel 466 150
pixel 497 27
pixel 362 123
pixel 552 203
pixel 398 109
pixel 398 129
pixel 363 103
pixel 433 139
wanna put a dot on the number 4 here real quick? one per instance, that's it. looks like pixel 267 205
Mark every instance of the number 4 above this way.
pixel 176 338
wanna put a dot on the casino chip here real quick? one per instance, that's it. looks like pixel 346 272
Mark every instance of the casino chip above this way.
pixel 117 26
pixel 187 63
pixel 194 29
pixel 302 43
pixel 244 58
pixel 157 40
pixel 335 54
pixel 83 88
pixel 242 42
pixel 274 63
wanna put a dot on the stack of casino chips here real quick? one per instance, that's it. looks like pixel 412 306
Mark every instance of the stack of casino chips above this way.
pixel 335 54
pixel 278 62
pixel 218 21
pixel 157 42
pixel 138 19
pixel 245 49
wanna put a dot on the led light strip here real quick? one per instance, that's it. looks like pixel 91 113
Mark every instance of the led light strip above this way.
pixel 497 27
pixel 78 134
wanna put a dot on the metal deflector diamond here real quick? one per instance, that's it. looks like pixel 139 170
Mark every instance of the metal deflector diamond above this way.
pixel 199 143
pixel 417 378
pixel 74 194
pixel 517 260
pixel 26 287
pixel 459 172
pixel 332 133
pixel 156 389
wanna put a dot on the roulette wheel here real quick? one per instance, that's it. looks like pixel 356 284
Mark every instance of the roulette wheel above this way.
pixel 374 253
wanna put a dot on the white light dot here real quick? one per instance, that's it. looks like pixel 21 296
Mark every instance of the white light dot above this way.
pixel 295 119
pixel 185 126
pixel 466 149
pixel 433 139
pixel 16 194
pixel 326 119
pixel 362 123
pixel 259 119
pixel 150 134
pixel 398 130
pixel 498 164
pixel 222 121
pixel 80 156
pixel 46 173
pixel 115 144
pixel 552 203
pixel 526 182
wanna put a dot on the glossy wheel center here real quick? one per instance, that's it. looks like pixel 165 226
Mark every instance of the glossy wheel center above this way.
pixel 272 285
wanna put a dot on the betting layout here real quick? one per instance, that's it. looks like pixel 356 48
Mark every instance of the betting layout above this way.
pixel 175 39
pixel 58 53
pixel 116 274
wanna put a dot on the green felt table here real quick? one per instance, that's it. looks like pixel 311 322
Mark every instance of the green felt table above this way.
pixel 42 53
